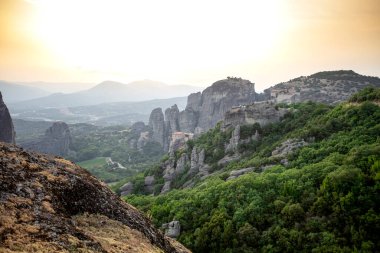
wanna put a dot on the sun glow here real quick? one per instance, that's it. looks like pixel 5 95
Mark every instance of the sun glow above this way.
pixel 153 38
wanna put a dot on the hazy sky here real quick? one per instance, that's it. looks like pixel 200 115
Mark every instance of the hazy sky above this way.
pixel 186 42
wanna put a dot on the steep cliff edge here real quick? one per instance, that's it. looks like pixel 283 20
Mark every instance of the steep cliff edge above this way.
pixel 48 204
pixel 7 133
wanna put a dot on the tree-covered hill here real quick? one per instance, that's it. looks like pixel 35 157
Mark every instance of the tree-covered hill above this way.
pixel 324 198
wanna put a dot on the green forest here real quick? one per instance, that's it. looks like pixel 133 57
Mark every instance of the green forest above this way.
pixel 325 199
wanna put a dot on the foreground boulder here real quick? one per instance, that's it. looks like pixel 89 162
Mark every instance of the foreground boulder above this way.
pixel 7 133
pixel 48 204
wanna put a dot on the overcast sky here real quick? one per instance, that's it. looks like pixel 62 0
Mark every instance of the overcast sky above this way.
pixel 186 42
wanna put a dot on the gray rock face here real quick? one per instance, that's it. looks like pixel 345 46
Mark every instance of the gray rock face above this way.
pixel 7 133
pixel 227 159
pixel 196 160
pixel 329 87
pixel 171 125
pixel 172 229
pixel 221 97
pixel 261 112
pixel 138 127
pixel 178 140
pixel 166 187
pixel 126 189
pixel 181 163
pixel 232 146
pixel 157 125
pixel 203 110
pixel 143 140
pixel 237 173
pixel 56 141
pixel 194 101
pixel 149 184
pixel 171 117
pixel 287 147
pixel 188 120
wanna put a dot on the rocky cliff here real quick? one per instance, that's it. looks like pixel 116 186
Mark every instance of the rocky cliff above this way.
pixel 203 110
pixel 261 112
pixel 329 87
pixel 56 140
pixel 157 125
pixel 48 204
pixel 7 133
pixel 235 102
pixel 220 97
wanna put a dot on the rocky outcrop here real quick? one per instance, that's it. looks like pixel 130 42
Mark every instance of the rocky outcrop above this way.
pixel 157 125
pixel 50 202
pixel 126 189
pixel 181 163
pixel 166 187
pixel 188 120
pixel 149 184
pixel 260 112
pixel 237 173
pixel 194 101
pixel 143 140
pixel 178 140
pixel 203 110
pixel 139 136
pixel 7 133
pixel 329 87
pixel 171 117
pixel 56 140
pixel 138 127
pixel 196 160
pixel 232 146
pixel 221 97
pixel 288 147
pixel 172 229
pixel 227 159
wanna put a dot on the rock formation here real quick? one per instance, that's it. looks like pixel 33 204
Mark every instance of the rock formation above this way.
pixel 172 229
pixel 237 173
pixel 232 146
pixel 203 110
pixel 287 147
pixel 126 189
pixel 178 140
pixel 234 101
pixel 329 87
pixel 149 184
pixel 171 117
pixel 56 140
pixel 196 160
pixel 7 133
pixel 221 97
pixel 157 125
pixel 52 204
pixel 260 112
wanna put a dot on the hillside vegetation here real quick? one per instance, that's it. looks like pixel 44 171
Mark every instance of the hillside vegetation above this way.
pixel 325 198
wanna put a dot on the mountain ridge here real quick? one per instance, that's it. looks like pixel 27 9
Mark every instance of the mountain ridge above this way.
pixel 110 92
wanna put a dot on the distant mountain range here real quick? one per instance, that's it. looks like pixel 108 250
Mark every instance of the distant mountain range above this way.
pixel 118 113
pixel 13 93
pixel 107 92
pixel 59 87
